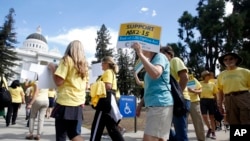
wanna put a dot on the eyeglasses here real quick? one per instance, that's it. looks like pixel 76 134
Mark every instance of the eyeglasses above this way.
pixel 228 59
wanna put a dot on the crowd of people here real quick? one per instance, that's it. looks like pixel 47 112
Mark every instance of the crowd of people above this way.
pixel 229 94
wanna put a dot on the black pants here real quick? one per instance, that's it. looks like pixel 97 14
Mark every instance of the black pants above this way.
pixel 12 113
pixel 9 114
pixel 100 121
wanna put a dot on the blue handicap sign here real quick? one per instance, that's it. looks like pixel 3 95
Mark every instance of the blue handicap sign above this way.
pixel 127 106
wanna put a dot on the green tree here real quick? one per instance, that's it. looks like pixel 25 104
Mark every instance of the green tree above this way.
pixel 193 57
pixel 240 28
pixel 8 40
pixel 102 41
pixel 210 32
pixel 126 82
pixel 210 26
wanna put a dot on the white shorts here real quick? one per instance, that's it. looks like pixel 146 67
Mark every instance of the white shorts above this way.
pixel 158 121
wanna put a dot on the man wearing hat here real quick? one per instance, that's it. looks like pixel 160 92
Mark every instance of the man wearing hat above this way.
pixel 233 86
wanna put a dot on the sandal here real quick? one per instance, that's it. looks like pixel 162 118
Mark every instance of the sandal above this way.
pixel 29 137
pixel 37 137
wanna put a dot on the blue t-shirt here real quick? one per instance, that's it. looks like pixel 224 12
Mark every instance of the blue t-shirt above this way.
pixel 156 93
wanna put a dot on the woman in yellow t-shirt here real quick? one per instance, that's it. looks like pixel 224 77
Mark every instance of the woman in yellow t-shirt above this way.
pixel 208 96
pixel 17 96
pixel 194 90
pixel 102 119
pixel 70 78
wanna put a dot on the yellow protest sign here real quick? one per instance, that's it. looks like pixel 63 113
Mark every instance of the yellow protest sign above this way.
pixel 146 34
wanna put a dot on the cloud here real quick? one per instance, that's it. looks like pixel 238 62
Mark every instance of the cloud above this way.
pixel 229 8
pixel 154 13
pixel 86 35
pixel 143 9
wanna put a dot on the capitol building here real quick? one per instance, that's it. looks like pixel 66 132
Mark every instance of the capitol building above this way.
pixel 34 50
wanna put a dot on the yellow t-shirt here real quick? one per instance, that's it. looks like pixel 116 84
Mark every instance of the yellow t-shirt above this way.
pixel 234 80
pixel 72 91
pixel 109 77
pixel 52 93
pixel 195 97
pixel 16 94
pixel 213 81
pixel 209 90
pixel 176 65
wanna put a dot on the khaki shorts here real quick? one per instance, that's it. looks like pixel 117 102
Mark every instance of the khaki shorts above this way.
pixel 158 121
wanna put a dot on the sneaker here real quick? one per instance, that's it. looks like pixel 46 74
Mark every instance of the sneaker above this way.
pixel 218 128
pixel 123 130
pixel 213 136
pixel 208 133
pixel 105 136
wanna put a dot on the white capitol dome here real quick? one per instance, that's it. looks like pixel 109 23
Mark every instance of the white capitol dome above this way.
pixel 35 42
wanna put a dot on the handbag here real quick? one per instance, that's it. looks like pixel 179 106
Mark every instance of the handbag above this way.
pixel 104 103
pixel 179 108
pixel 5 97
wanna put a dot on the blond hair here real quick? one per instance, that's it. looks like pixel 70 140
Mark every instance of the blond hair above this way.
pixel 76 52
pixel 111 62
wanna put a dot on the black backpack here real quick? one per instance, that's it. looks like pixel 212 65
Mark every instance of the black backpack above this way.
pixel 5 97
pixel 180 108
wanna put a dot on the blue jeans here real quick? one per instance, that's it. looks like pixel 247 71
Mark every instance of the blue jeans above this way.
pixel 79 127
pixel 180 126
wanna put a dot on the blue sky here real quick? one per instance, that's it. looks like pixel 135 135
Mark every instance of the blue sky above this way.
pixel 65 20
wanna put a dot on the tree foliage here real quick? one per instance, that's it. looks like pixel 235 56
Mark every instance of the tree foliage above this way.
pixel 241 17
pixel 102 41
pixel 8 40
pixel 211 33
pixel 126 82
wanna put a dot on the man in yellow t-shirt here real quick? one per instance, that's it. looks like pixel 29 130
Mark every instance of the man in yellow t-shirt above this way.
pixel 233 85
pixel 180 72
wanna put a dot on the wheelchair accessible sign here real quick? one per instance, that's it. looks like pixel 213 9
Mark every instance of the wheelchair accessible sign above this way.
pixel 127 105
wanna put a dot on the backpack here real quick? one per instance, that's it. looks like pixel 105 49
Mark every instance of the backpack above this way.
pixel 179 101
pixel 5 97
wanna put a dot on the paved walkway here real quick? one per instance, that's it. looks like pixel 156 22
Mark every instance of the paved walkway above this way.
pixel 18 132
